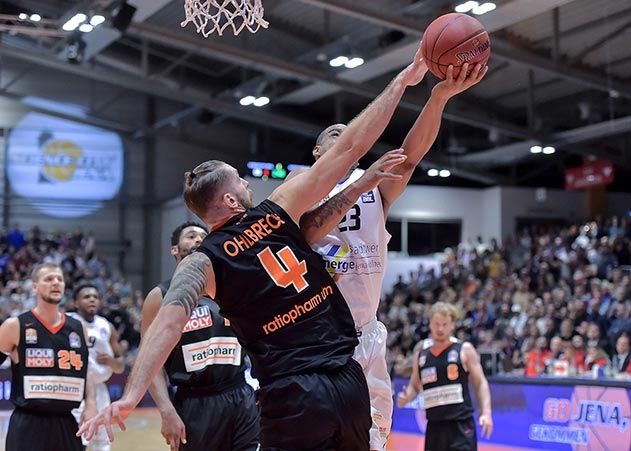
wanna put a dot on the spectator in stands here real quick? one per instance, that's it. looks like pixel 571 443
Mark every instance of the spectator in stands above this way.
pixel 622 359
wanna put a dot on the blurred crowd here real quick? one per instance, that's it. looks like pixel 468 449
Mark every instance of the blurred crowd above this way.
pixel 77 254
pixel 546 300
pixel 553 300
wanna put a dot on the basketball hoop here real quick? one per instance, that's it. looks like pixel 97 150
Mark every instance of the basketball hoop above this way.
pixel 210 16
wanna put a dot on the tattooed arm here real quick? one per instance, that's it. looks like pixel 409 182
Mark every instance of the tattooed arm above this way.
pixel 193 276
pixel 315 224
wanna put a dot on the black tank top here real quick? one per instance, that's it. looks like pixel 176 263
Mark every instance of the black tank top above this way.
pixel 283 305
pixel 208 355
pixel 50 375
pixel 445 383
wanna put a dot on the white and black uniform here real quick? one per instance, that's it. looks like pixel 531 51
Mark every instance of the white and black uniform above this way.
pixel 47 382
pixel 99 333
pixel 356 255
pixel 448 406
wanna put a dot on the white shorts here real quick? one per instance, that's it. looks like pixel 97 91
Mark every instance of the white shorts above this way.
pixel 371 355
pixel 99 442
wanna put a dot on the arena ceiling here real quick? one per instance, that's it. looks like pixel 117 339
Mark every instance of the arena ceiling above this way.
pixel 560 75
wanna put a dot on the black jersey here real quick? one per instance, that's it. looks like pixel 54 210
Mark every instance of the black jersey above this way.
pixel 208 355
pixel 53 363
pixel 445 383
pixel 283 305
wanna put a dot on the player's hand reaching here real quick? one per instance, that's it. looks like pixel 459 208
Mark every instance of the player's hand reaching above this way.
pixel 405 396
pixel 414 73
pixel 451 86
pixel 381 170
pixel 173 429
pixel 115 413
pixel 486 423
pixel 89 412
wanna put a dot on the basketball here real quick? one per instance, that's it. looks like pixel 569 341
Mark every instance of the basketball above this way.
pixel 456 39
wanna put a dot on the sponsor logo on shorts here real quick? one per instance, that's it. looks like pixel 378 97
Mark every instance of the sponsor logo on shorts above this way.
pixel 214 351
pixel 428 375
pixel 200 319
pixel 54 387
pixel 74 339
pixel 30 335
pixel 39 358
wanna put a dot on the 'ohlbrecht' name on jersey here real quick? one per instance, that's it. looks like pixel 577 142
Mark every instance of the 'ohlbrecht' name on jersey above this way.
pixel 282 304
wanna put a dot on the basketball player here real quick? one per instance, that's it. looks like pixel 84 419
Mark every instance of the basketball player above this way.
pixel 49 365
pixel 283 306
pixel 442 369
pixel 349 231
pixel 105 353
pixel 215 409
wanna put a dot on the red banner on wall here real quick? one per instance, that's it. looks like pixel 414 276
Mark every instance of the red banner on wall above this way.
pixel 597 173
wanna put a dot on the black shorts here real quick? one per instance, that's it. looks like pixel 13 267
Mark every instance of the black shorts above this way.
pixel 451 436
pixel 223 421
pixel 30 431
pixel 317 411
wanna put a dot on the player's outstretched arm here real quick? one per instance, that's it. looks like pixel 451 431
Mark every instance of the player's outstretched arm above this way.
pixel 305 190
pixel 9 335
pixel 193 277
pixel 172 428
pixel 316 223
pixel 471 362
pixel 423 133
pixel 414 386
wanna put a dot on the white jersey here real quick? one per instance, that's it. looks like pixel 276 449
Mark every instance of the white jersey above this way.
pixel 356 252
pixel 99 333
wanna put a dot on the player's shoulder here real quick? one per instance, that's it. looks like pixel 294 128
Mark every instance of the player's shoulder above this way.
pixel 73 321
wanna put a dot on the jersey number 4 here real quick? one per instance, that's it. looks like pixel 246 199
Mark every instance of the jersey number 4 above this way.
pixel 284 268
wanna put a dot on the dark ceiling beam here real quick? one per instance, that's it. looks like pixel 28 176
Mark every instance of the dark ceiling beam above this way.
pixel 500 48
pixel 514 54
pixel 83 119
pixel 283 68
pixel 161 90
pixel 585 27
pixel 600 42
pixel 184 95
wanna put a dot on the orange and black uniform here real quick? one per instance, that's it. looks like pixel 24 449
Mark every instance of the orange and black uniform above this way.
pixel 207 368
pixel 448 406
pixel 46 384
pixel 297 329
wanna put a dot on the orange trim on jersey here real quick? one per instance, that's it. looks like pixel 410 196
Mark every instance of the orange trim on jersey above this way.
pixel 438 352
pixel 52 329
pixel 222 223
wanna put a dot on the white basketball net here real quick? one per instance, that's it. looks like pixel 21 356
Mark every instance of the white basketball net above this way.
pixel 214 16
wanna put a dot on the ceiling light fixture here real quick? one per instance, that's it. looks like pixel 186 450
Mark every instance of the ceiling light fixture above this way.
pixel 535 149
pixel 484 8
pixel 549 150
pixel 466 7
pixel 432 172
